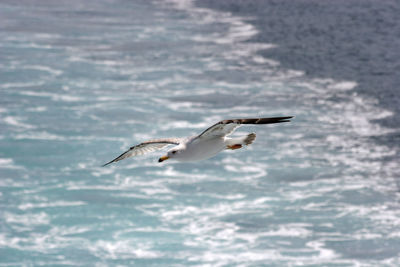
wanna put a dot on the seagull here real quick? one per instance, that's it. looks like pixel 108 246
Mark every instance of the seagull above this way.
pixel 203 146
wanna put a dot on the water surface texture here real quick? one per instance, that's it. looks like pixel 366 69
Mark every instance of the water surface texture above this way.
pixel 82 81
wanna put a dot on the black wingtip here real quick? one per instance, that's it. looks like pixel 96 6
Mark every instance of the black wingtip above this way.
pixel 107 163
pixel 269 120
pixel 283 118
pixel 286 119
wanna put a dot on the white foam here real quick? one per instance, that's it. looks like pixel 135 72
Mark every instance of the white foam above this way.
pixel 21 84
pixel 226 258
pixel 53 96
pixel 249 170
pixel 7 163
pixel 343 86
pixel 110 63
pixel 39 136
pixel 17 122
pixel 37 109
pixel 48 69
pixel 71 230
pixel 51 36
pixel 262 60
pixel 182 125
pixel 27 219
pixel 179 106
pixel 227 196
pixel 28 206
pixel 237 32
pixel 157 191
pixel 123 249
pixel 289 230
pixel 324 253
pixel 35 45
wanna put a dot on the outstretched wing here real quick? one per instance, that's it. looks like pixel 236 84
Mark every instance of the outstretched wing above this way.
pixel 146 147
pixel 226 127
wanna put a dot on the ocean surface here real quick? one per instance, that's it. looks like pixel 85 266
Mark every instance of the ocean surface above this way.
pixel 82 81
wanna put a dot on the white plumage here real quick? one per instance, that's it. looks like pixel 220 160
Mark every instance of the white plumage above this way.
pixel 203 146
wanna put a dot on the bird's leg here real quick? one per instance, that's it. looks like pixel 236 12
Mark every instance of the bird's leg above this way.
pixel 235 146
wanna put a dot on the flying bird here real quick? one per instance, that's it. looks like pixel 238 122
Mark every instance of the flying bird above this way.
pixel 203 146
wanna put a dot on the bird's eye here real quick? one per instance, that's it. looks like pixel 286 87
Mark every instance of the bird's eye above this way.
pixel 173 152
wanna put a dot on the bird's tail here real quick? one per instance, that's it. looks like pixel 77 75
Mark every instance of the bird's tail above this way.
pixel 249 139
pixel 238 142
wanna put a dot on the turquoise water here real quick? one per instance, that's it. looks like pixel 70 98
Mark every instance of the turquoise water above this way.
pixel 82 82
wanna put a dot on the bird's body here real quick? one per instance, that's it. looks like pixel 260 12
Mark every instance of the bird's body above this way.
pixel 209 148
pixel 203 146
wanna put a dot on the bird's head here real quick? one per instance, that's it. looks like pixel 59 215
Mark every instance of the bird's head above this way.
pixel 173 153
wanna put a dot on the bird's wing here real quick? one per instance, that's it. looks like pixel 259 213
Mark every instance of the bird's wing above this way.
pixel 146 147
pixel 226 127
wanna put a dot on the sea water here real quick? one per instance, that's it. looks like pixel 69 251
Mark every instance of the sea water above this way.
pixel 82 81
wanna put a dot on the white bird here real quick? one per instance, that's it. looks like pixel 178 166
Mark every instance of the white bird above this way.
pixel 203 146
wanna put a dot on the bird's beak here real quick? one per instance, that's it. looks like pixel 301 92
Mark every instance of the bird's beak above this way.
pixel 163 158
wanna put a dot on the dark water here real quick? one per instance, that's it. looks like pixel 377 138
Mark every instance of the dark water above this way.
pixel 342 39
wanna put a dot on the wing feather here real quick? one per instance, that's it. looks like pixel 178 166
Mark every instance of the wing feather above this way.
pixel 146 147
pixel 226 127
